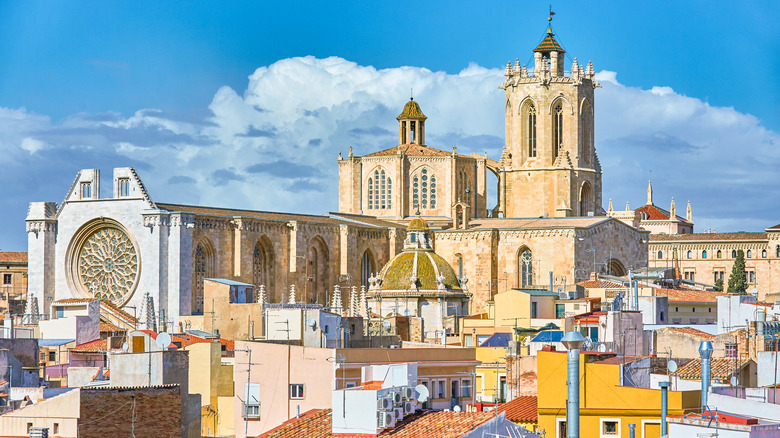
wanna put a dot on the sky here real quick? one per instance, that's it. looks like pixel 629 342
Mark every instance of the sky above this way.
pixel 247 104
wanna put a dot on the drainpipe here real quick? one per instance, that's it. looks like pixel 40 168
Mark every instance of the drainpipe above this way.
pixel 705 351
pixel 631 428
pixel 664 405
pixel 573 341
pixel 551 281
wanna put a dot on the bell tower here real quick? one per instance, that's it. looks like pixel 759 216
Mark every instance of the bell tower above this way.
pixel 549 163
pixel 411 124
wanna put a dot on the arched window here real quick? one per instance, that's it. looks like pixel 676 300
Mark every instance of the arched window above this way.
pixel 424 190
pixel 380 191
pixel 690 254
pixel 262 267
pixel 750 254
pixel 531 130
pixel 366 268
pixel 719 254
pixel 203 267
pixel 526 268
pixel 459 259
pixel 704 254
pixel 660 254
pixel 777 251
pixel 557 129
pixel 763 253
pixel 733 253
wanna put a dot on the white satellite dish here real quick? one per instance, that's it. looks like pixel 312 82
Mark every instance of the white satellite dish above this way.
pixel 671 366
pixel 407 312
pixel 602 348
pixel 386 325
pixel 163 340
pixel 311 322
pixel 422 393
pixel 456 408
pixel 125 347
pixel 734 381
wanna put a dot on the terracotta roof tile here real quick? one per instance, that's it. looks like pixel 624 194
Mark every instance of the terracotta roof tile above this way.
pixel 96 346
pixel 109 327
pixel 521 409
pixel 653 213
pixel 414 150
pixel 707 237
pixel 411 111
pixel 722 369
pixel 187 339
pixel 691 331
pixel 113 307
pixel 429 424
pixel 689 296
pixel 13 257
pixel 74 301
pixel 600 284
pixel 776 227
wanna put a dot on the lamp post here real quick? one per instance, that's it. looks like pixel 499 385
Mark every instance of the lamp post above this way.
pixel 573 341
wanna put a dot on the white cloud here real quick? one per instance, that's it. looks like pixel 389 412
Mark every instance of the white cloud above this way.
pixel 273 146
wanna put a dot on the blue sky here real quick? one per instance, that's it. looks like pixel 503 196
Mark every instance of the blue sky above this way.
pixel 210 99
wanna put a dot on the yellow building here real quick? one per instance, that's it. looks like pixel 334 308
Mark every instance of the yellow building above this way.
pixel 606 408
pixel 491 374
pixel 213 380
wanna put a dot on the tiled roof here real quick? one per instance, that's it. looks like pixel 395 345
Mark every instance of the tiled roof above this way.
pixel 722 369
pixel 74 301
pixel 188 339
pixel 411 111
pixel 535 223
pixel 109 327
pixel 707 237
pixel 654 213
pixel 96 346
pixel 549 44
pixel 691 331
pixel 396 274
pixel 13 257
pixel 600 284
pixel 113 307
pixel 521 409
pixel 414 150
pixel 428 424
pixel 255 214
pixel 368 220
pixel 776 227
pixel 689 296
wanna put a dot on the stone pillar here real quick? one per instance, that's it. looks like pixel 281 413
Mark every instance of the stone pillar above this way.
pixel 41 245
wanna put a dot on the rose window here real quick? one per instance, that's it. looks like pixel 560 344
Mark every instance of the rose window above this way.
pixel 108 265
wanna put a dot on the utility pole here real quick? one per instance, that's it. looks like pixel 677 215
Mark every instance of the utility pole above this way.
pixel 248 364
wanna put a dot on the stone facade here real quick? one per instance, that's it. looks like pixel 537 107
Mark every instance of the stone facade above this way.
pixel 707 257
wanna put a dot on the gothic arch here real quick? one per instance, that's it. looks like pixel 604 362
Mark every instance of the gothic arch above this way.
pixel 204 266
pixel 586 199
pixel 263 272
pixel 585 103
pixel 529 124
pixel 614 267
pixel 525 267
pixel 367 266
pixel 317 271
pixel 527 100
pixel 564 102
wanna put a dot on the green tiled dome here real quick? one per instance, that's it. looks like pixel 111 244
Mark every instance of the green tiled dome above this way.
pixel 397 273
pixel 411 111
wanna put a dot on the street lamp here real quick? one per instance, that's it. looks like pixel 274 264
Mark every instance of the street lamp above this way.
pixel 573 341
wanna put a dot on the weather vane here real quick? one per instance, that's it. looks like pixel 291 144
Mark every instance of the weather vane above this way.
pixel 551 14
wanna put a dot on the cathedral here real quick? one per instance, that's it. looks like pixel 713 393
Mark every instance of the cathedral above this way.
pixel 547 228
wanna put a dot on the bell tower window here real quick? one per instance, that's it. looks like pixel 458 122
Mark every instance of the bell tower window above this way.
pixel 380 191
pixel 531 131
pixel 557 130
pixel 424 190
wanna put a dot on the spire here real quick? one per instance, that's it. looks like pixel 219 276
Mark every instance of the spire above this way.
pixel 336 302
pixel 610 209
pixel 261 296
pixel 689 213
pixel 291 299
pixel 673 211
pixel 650 192
pixel 627 207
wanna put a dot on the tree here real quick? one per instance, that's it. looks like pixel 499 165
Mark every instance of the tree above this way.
pixel 719 285
pixel 738 278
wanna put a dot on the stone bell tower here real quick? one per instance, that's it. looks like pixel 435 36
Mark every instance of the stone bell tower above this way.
pixel 549 163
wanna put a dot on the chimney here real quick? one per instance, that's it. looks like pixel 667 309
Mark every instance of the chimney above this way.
pixel 705 351
pixel 573 341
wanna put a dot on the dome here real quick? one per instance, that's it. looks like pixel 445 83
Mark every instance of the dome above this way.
pixel 418 224
pixel 427 266
pixel 411 111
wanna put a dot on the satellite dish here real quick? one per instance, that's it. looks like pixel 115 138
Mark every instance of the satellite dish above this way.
pixel 588 342
pixel 671 366
pixel 734 381
pixel 125 347
pixel 386 324
pixel 602 348
pixel 456 408
pixel 406 312
pixel 422 393
pixel 311 322
pixel 163 340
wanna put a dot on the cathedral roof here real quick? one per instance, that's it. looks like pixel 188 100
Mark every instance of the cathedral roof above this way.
pixel 427 266
pixel 411 111
pixel 418 223
pixel 413 150
pixel 655 213
pixel 549 44
pixel 707 237
pixel 535 223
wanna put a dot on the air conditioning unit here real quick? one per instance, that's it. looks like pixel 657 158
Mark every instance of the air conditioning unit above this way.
pixel 385 420
pixel 408 393
pixel 409 407
pixel 384 404
pixel 398 413
pixel 396 397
